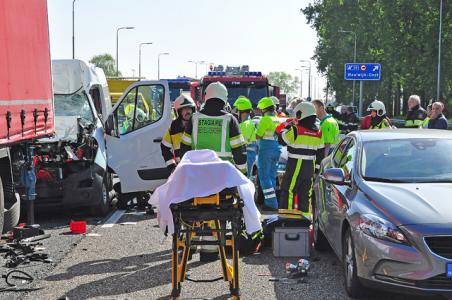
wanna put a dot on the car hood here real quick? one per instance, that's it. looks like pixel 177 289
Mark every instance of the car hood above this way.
pixel 413 203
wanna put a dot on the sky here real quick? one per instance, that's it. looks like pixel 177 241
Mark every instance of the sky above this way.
pixel 264 34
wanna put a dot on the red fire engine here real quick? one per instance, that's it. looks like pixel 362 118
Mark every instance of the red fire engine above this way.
pixel 239 82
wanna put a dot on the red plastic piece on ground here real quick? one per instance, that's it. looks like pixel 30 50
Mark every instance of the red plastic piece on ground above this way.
pixel 78 227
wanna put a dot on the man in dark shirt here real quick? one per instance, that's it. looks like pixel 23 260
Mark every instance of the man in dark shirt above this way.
pixel 416 114
pixel 437 120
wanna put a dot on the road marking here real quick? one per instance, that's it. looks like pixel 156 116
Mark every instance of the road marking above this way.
pixel 113 219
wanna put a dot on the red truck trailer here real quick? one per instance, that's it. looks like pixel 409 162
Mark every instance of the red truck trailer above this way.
pixel 26 101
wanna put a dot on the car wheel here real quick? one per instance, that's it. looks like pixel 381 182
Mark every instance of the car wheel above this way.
pixel 102 208
pixel 320 241
pixel 352 284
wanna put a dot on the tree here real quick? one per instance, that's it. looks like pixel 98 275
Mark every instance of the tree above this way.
pixel 107 63
pixel 401 35
pixel 287 83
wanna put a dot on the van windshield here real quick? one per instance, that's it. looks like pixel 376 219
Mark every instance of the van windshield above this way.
pixel 74 105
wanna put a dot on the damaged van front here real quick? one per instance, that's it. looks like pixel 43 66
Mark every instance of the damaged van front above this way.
pixel 71 167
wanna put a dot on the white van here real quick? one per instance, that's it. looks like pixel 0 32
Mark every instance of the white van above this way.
pixel 71 167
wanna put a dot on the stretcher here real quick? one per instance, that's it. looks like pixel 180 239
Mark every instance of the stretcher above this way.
pixel 207 216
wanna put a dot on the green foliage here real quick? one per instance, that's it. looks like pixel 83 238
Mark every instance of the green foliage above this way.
pixel 107 63
pixel 402 35
pixel 287 83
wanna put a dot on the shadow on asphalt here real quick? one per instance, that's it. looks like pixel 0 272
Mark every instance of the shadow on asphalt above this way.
pixel 133 269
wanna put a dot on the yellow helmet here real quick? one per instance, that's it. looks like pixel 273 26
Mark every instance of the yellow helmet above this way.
pixel 242 103
pixel 265 103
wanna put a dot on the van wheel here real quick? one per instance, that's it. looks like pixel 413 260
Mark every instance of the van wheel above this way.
pixel 102 208
pixel 2 206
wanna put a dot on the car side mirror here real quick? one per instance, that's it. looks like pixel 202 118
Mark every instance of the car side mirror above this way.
pixel 335 176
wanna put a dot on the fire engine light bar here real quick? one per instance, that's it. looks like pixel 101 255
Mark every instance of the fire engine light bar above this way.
pixel 246 73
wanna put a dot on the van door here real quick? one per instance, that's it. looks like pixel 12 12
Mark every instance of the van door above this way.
pixel 134 132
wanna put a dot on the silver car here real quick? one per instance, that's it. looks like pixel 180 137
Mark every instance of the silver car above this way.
pixel 384 204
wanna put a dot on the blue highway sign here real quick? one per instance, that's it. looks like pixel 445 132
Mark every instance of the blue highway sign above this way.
pixel 360 71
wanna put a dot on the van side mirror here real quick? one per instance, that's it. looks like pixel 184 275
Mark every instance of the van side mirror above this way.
pixel 110 126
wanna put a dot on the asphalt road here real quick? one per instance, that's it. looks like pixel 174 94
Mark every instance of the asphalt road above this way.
pixel 130 260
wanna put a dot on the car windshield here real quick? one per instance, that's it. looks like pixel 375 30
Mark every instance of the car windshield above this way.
pixel 414 160
pixel 252 93
pixel 74 105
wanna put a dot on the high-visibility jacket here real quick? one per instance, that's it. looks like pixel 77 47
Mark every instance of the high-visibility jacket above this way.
pixel 248 130
pixel 220 133
pixel 330 130
pixel 170 145
pixel 305 149
pixel 267 126
pixel 425 122
pixel 415 117
pixel 382 125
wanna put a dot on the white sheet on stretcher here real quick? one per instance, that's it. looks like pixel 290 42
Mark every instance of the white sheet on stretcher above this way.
pixel 201 173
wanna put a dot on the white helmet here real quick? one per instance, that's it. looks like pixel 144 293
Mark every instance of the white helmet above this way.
pixel 275 100
pixel 183 101
pixel 378 106
pixel 216 90
pixel 304 110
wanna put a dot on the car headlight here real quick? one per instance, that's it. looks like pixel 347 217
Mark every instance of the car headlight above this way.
pixel 381 229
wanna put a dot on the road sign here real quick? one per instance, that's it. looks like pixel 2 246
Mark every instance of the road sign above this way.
pixel 360 71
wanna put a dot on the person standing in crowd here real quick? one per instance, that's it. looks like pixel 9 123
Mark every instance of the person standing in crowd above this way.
pixel 269 152
pixel 378 118
pixel 437 120
pixel 416 114
pixel 331 110
pixel 303 139
pixel 328 126
pixel 248 129
pixel 342 120
pixel 170 146
pixel 216 129
pixel 351 120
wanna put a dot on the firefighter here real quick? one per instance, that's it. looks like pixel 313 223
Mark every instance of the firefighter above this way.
pixel 248 129
pixel 305 149
pixel 416 114
pixel 378 120
pixel 215 129
pixel 269 152
pixel 184 107
pixel 331 109
pixel 328 126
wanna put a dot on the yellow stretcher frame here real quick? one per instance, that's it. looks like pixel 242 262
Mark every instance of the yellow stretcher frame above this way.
pixel 190 218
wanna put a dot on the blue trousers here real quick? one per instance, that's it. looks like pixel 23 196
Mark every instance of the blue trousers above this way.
pixel 267 167
pixel 250 159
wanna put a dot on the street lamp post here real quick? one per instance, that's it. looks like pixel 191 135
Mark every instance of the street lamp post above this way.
pixel 301 80
pixel 158 64
pixel 139 57
pixel 73 29
pixel 354 59
pixel 117 44
pixel 309 79
pixel 439 51
pixel 196 66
